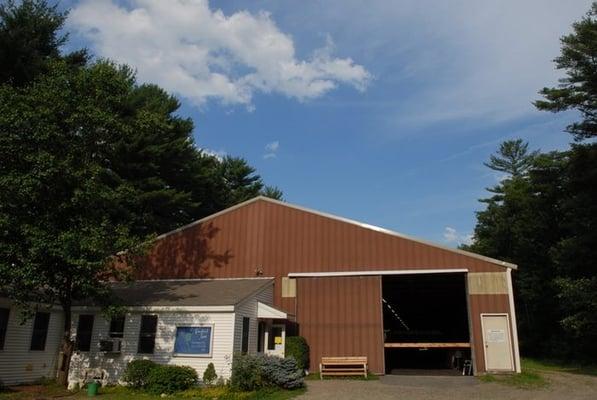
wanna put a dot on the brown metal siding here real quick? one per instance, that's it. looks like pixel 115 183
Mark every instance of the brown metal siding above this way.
pixel 278 240
pixel 482 304
pixel 342 317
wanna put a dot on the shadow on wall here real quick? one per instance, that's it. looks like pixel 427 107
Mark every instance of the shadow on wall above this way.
pixel 185 254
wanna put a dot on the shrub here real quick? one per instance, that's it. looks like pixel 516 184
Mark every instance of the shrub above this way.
pixel 210 376
pixel 297 347
pixel 252 372
pixel 171 379
pixel 281 372
pixel 246 373
pixel 137 372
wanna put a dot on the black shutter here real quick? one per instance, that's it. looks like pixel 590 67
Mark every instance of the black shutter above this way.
pixel 4 312
pixel 40 331
pixel 84 332
pixel 149 325
pixel 245 339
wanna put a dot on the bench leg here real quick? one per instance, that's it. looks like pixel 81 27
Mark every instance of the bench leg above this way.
pixel 320 372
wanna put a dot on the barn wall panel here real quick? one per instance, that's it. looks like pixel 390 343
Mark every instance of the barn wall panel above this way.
pixel 481 304
pixel 341 317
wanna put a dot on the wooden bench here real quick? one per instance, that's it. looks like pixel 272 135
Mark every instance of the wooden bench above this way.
pixel 339 366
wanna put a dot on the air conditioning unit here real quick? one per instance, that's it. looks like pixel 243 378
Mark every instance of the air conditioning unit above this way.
pixel 110 345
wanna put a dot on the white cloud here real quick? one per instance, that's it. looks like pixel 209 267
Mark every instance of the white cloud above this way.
pixel 451 60
pixel 452 236
pixel 271 149
pixel 200 53
pixel 219 154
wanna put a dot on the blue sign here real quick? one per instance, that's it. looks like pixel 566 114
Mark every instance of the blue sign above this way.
pixel 193 340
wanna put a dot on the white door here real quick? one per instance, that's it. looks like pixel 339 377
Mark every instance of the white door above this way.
pixel 275 337
pixel 496 338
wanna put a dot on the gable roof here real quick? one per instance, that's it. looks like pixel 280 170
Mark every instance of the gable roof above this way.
pixel 187 292
pixel 345 220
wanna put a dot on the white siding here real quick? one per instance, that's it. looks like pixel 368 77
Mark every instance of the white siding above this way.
pixel 18 364
pixel 114 364
pixel 248 308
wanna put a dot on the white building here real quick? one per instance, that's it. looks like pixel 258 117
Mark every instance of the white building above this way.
pixel 182 322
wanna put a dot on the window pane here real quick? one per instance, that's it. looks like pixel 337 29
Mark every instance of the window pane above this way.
pixel 40 331
pixel 193 340
pixel 245 338
pixel 117 327
pixel 149 325
pixel 4 312
pixel 84 332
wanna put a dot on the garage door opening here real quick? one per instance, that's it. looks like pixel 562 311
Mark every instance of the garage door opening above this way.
pixel 425 324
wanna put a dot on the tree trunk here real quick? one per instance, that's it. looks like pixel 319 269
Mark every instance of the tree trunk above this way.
pixel 66 348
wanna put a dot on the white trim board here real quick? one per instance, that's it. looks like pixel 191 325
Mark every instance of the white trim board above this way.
pixel 346 220
pixel 379 272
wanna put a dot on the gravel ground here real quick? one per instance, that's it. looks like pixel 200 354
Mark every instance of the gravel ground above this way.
pixel 561 386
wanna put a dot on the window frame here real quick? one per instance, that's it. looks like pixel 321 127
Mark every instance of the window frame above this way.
pixel 35 331
pixel 197 355
pixel 90 333
pixel 4 329
pixel 144 335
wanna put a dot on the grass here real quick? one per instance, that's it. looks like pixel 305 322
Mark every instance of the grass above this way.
pixel 559 366
pixel 53 391
pixel 524 380
pixel 533 371
pixel 314 376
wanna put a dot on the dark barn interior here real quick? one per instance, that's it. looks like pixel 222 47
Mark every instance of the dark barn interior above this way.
pixel 425 322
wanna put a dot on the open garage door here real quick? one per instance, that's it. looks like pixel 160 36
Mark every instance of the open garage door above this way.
pixel 426 325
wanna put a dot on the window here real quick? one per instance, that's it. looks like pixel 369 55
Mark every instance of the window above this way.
pixel 194 340
pixel 40 331
pixel 84 331
pixel 244 348
pixel 3 325
pixel 149 324
pixel 117 327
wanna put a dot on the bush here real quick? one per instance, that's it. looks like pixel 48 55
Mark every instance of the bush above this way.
pixel 246 373
pixel 252 372
pixel 281 372
pixel 171 379
pixel 297 347
pixel 137 372
pixel 210 376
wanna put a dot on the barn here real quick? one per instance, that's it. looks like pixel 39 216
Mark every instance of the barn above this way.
pixel 353 289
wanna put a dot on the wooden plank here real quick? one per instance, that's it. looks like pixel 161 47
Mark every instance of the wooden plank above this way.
pixel 429 345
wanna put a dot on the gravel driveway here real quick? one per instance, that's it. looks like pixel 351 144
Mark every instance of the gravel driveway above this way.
pixel 562 386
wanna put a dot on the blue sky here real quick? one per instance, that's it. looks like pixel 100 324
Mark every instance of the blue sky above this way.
pixel 378 111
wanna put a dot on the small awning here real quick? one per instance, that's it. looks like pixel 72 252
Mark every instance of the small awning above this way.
pixel 265 311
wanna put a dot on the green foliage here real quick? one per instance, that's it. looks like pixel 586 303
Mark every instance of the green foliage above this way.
pixel 210 376
pixel 171 379
pixel 137 373
pixel 281 372
pixel 273 192
pixel 246 373
pixel 541 220
pixel 251 372
pixel 297 347
pixel 578 90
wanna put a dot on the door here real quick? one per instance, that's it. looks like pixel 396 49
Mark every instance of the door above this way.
pixel 275 338
pixel 496 339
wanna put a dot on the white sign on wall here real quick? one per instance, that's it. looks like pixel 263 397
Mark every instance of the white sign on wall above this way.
pixel 496 335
